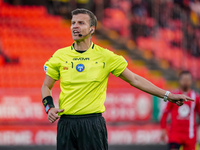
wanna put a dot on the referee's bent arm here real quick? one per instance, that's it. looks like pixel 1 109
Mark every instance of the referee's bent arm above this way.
pixel 46 92
pixel 47 86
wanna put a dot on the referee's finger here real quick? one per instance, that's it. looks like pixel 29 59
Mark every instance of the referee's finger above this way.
pixel 60 110
pixel 179 103
pixel 52 116
pixel 50 120
pixel 190 99
pixel 55 115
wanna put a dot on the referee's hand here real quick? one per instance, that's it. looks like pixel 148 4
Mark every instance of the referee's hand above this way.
pixel 53 114
pixel 179 99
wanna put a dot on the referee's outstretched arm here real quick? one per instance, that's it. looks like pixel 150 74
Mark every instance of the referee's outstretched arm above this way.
pixel 46 93
pixel 146 86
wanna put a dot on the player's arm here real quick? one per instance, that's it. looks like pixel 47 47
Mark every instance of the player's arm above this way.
pixel 146 86
pixel 163 120
pixel 197 108
pixel 48 100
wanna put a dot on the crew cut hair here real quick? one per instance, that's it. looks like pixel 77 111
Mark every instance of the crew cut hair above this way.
pixel 93 18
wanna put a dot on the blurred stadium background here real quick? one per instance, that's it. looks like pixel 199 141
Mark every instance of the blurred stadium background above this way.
pixel 158 38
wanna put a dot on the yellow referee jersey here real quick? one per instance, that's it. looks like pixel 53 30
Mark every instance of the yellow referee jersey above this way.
pixel 83 77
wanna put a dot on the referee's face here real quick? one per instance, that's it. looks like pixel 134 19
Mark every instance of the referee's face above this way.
pixel 80 24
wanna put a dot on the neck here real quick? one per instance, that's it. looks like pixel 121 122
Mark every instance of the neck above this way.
pixel 82 45
pixel 185 90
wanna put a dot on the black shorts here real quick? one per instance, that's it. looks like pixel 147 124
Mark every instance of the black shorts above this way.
pixel 82 132
pixel 174 146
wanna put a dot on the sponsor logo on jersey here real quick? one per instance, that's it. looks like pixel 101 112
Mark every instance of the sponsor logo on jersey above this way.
pixel 81 58
pixel 126 61
pixel 80 67
pixel 45 68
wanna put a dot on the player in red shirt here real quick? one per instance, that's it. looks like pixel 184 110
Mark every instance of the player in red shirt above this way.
pixel 182 131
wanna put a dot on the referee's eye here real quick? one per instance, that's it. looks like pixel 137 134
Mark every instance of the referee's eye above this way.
pixel 81 22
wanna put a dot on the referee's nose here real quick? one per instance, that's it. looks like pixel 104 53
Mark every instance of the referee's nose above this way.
pixel 75 25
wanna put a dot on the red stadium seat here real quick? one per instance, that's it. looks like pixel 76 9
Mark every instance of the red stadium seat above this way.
pixel 161 48
pixel 34 39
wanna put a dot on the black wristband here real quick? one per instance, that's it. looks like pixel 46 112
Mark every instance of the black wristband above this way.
pixel 48 103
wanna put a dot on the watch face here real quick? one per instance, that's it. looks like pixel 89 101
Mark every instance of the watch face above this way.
pixel 165 98
pixel 47 108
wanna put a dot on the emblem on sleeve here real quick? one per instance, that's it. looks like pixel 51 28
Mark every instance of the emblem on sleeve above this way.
pixel 45 68
pixel 80 67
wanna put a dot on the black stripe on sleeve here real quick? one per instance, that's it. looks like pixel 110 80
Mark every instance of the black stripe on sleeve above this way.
pixel 93 46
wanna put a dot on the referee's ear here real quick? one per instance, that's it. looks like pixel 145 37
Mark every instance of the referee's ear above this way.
pixel 92 29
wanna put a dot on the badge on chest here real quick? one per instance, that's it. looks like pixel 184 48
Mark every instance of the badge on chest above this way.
pixel 80 67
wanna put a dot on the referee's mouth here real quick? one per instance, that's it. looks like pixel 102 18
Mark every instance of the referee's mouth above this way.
pixel 76 33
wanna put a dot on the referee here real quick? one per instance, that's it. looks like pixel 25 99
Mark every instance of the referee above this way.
pixel 83 69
